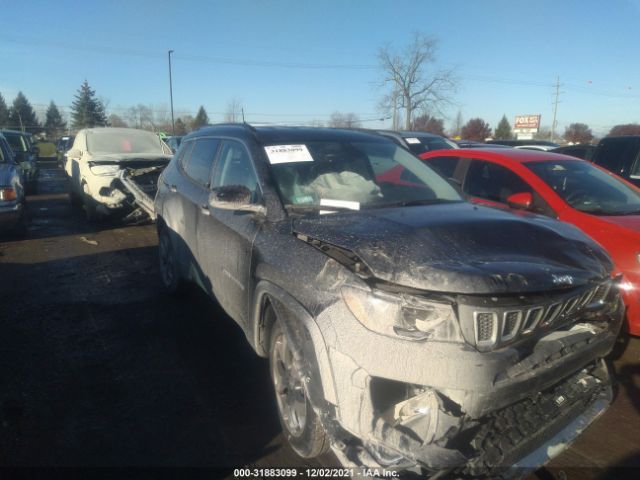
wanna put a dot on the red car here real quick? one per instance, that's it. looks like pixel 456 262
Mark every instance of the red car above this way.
pixel 601 204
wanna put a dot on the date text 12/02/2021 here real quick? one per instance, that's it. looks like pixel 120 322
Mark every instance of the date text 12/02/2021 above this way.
pixel 314 473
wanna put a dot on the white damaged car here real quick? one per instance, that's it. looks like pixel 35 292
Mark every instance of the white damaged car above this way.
pixel 100 155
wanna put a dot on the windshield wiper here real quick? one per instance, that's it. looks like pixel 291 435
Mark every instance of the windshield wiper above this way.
pixel 412 203
pixel 312 207
pixel 622 214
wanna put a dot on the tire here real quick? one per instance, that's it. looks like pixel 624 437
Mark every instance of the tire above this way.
pixel 89 204
pixel 21 229
pixel 300 424
pixel 172 281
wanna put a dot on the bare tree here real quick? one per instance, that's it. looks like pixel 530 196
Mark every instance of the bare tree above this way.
pixel 155 118
pixel 413 84
pixel 624 129
pixel 116 121
pixel 476 129
pixel 458 123
pixel 344 120
pixel 234 111
pixel 578 133
pixel 427 123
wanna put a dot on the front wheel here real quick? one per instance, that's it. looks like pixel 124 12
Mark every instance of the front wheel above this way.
pixel 300 424
pixel 90 210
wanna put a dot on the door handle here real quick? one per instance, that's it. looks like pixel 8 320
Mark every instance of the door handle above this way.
pixel 205 209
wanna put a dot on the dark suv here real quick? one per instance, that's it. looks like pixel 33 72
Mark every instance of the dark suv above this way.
pixel 418 142
pixel 620 155
pixel 405 327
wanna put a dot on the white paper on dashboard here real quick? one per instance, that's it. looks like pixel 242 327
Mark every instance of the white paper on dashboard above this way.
pixel 288 154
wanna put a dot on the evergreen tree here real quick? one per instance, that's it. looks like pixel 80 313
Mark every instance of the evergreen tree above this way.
pixel 54 125
pixel 22 116
pixel 181 128
pixel 86 110
pixel 4 113
pixel 503 130
pixel 201 119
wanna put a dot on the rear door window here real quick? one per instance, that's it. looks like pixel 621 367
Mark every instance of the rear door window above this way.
pixel 445 166
pixel 493 182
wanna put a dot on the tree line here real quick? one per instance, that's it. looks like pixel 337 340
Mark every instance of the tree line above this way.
pixel 87 111
pixel 414 88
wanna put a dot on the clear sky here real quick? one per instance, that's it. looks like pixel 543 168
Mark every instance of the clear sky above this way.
pixel 297 60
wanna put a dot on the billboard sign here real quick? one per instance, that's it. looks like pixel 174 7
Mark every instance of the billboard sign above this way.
pixel 527 123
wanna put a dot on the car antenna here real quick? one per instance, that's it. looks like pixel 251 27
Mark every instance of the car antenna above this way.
pixel 242 110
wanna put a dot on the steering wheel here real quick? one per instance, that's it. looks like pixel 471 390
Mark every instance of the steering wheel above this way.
pixel 577 196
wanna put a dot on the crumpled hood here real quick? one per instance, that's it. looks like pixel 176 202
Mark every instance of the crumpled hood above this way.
pixel 463 248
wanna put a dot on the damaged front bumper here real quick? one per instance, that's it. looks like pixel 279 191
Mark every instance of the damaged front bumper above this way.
pixel 141 195
pixel 448 408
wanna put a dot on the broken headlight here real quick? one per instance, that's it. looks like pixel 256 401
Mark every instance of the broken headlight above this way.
pixel 405 316
pixel 104 169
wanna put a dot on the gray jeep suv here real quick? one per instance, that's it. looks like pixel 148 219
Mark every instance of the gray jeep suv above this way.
pixel 405 327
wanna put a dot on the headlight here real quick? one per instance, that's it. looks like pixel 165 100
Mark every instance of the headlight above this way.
pixel 105 169
pixel 8 194
pixel 406 316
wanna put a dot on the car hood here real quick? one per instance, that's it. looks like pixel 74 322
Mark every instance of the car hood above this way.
pixel 463 248
pixel 117 158
pixel 630 222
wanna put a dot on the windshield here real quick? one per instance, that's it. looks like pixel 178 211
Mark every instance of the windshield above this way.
pixel 587 188
pixel 124 141
pixel 16 141
pixel 348 175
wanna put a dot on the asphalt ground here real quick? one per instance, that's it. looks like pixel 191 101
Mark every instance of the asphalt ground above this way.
pixel 100 369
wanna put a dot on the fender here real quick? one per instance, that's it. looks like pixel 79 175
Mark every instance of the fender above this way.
pixel 301 328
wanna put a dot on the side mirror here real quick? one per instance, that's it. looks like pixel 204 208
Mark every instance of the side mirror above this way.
pixel 74 153
pixel 521 201
pixel 234 197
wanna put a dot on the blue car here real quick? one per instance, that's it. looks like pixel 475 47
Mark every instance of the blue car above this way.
pixel 13 218
pixel 25 154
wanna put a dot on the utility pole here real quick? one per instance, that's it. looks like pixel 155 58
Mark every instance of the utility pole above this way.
pixel 173 123
pixel 554 124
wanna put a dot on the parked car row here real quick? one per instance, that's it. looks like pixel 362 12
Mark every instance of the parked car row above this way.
pixel 26 155
pixel 13 217
pixel 405 327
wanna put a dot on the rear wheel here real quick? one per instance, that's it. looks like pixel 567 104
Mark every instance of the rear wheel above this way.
pixel 169 272
pixel 299 422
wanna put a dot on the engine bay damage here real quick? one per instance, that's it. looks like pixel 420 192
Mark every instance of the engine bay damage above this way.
pixel 494 405
pixel 138 186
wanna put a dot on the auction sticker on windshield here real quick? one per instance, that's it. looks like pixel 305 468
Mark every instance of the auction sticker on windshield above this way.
pixel 412 140
pixel 288 154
